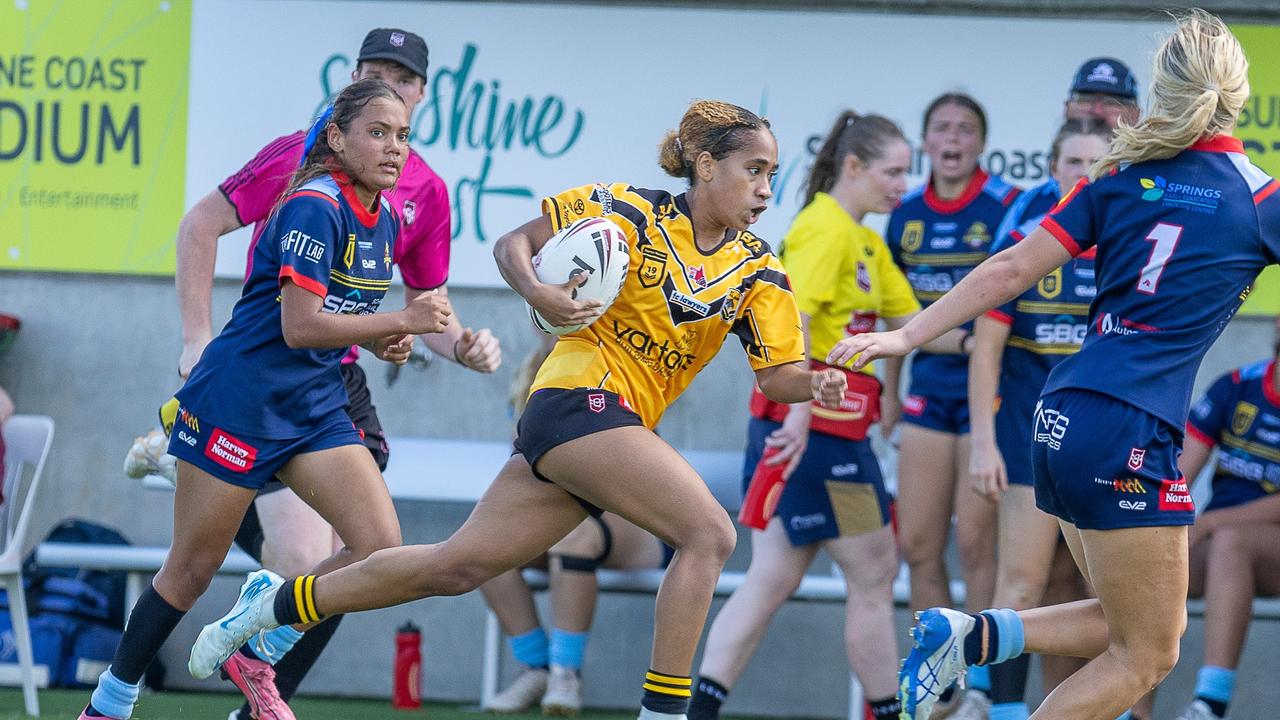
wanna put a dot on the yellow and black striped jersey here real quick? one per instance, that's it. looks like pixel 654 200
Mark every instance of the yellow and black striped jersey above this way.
pixel 677 305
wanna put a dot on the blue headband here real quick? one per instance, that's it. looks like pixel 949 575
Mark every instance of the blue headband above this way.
pixel 316 127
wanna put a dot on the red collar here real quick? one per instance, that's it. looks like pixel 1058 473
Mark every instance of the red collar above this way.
pixel 960 202
pixel 1268 385
pixel 345 184
pixel 1218 143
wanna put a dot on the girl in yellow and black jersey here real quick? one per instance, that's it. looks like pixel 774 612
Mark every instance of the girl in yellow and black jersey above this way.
pixel 695 275
pixel 845 281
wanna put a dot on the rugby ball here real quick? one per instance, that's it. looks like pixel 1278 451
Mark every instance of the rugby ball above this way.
pixel 593 246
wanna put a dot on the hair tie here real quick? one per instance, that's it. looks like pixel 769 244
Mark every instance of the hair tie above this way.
pixel 679 146
pixel 314 132
pixel 849 121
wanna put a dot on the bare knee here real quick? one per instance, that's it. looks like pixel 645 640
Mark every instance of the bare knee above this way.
pixel 920 550
pixel 976 549
pixel 183 580
pixel 372 542
pixel 586 541
pixel 713 539
pixel 1151 660
pixel 1017 591
pixel 1229 546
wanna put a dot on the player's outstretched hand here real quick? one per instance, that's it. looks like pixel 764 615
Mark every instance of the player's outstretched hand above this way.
pixel 428 312
pixel 393 348
pixel 869 346
pixel 828 387
pixel 479 351
pixel 558 304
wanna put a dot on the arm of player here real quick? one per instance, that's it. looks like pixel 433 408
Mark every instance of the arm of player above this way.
pixel 794 383
pixel 198 233
pixel 793 437
pixel 514 253
pixel 305 325
pixel 987 474
pixel 477 350
pixel 997 280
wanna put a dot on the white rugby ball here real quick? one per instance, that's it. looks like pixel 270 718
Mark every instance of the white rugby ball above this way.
pixel 593 246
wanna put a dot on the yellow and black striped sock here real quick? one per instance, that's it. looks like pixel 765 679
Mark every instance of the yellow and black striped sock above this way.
pixel 296 602
pixel 666 693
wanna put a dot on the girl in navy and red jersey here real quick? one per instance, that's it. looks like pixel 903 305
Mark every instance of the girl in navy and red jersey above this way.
pixel 1183 223
pixel 266 398
pixel 1014 348
pixel 938 234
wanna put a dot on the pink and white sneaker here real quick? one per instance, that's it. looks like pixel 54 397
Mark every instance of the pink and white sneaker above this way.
pixel 257 680
pixel 84 715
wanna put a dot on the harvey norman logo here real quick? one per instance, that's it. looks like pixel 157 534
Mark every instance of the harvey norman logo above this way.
pixel 1182 195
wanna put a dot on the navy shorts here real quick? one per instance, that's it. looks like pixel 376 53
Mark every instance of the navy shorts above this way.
pixel 554 416
pixel 943 414
pixel 835 491
pixel 1102 464
pixel 1013 439
pixel 248 460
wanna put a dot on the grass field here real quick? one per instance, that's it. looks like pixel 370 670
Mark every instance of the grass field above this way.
pixel 67 704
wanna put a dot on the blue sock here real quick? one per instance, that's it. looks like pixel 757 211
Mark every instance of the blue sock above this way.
pixel 531 648
pixel 567 648
pixel 1214 686
pixel 1126 716
pixel 1008 711
pixel 979 679
pixel 1010 641
pixel 114 697
pixel 272 645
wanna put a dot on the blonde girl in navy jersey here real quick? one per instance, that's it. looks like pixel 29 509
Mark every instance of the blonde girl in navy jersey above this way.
pixel 266 397
pixel 585 441
pixel 1014 348
pixel 1183 223
pixel 938 233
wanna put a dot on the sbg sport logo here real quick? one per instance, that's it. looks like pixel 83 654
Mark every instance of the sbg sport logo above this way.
pixel 1051 426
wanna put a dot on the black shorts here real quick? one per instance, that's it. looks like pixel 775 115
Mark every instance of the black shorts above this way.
pixel 363 415
pixel 554 416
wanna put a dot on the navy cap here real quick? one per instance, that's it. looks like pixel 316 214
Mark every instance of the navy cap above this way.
pixel 1106 76
pixel 399 46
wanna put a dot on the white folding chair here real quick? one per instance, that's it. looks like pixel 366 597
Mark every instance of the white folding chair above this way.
pixel 27 439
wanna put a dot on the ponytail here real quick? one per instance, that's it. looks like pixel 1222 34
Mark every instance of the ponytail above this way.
pixel 1199 85
pixel 864 136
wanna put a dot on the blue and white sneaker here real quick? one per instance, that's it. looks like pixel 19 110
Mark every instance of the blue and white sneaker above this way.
pixel 936 660
pixel 252 613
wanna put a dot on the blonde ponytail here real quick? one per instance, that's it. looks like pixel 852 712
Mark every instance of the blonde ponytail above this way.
pixel 1199 84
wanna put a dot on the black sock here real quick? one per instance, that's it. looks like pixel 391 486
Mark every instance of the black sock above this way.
pixel 249 536
pixel 150 624
pixel 296 601
pixel 1218 707
pixel 666 693
pixel 886 709
pixel 947 694
pixel 708 696
pixel 982 644
pixel 1009 680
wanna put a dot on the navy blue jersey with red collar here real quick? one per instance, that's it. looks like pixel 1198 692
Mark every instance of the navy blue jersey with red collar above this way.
pixel 1047 323
pixel 937 242
pixel 1179 243
pixel 325 241
pixel 1240 413
pixel 1029 207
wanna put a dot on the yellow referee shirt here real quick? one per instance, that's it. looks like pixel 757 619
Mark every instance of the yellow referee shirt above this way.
pixel 842 275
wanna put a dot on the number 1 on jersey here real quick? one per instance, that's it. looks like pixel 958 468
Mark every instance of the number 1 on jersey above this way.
pixel 1165 237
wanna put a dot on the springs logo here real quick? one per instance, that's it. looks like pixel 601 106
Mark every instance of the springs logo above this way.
pixel 1196 198
pixel 1152 189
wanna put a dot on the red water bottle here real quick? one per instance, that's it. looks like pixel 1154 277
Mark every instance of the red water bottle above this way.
pixel 406 689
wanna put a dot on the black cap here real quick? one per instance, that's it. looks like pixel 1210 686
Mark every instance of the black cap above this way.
pixel 399 46
pixel 1106 76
